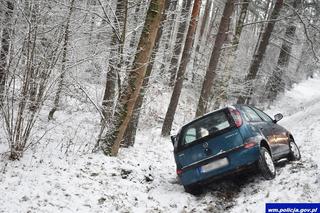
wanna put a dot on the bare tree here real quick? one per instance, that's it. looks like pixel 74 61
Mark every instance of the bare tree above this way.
pixel 115 59
pixel 180 39
pixel 5 48
pixel 64 62
pixel 169 37
pixel 260 52
pixel 167 124
pixel 231 53
pixel 28 87
pixel 204 22
pixel 214 14
pixel 137 12
pixel 110 140
pixel 130 134
pixel 275 82
pixel 214 60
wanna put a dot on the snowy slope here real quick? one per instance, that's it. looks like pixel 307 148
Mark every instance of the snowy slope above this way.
pixel 142 178
pixel 296 181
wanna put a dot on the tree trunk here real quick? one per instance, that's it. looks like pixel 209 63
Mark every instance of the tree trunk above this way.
pixel 275 82
pixel 174 63
pixel 211 25
pixel 259 54
pixel 64 62
pixel 110 140
pixel 231 53
pixel 167 124
pixel 214 60
pixel 201 33
pixel 266 16
pixel 91 4
pixel 168 39
pixel 5 48
pixel 116 59
pixel 134 40
pixel 130 134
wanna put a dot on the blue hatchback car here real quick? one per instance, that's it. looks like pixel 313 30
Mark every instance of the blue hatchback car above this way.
pixel 230 140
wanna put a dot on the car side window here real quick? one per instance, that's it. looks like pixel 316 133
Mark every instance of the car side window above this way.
pixel 250 115
pixel 263 115
pixel 190 135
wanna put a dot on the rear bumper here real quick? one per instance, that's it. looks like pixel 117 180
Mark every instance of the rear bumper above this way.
pixel 238 161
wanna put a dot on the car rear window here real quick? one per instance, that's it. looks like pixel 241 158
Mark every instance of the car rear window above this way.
pixel 208 125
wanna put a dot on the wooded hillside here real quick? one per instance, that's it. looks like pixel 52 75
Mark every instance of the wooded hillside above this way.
pixel 109 53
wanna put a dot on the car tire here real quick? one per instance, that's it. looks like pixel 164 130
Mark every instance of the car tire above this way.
pixel 294 153
pixel 194 189
pixel 266 165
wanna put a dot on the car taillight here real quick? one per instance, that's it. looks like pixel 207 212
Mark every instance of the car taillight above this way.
pixel 179 171
pixel 236 117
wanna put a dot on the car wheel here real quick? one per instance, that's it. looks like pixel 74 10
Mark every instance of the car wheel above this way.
pixel 294 151
pixel 266 165
pixel 194 189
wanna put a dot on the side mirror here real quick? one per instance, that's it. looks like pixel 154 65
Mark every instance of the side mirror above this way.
pixel 278 117
pixel 173 139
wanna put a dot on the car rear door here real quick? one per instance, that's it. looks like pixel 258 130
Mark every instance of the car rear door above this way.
pixel 259 124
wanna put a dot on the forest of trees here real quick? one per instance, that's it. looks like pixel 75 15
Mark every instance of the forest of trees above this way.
pixel 225 51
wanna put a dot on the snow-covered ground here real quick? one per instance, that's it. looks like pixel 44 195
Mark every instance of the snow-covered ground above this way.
pixel 295 181
pixel 142 178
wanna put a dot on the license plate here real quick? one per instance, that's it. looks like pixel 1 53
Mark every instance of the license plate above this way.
pixel 215 165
